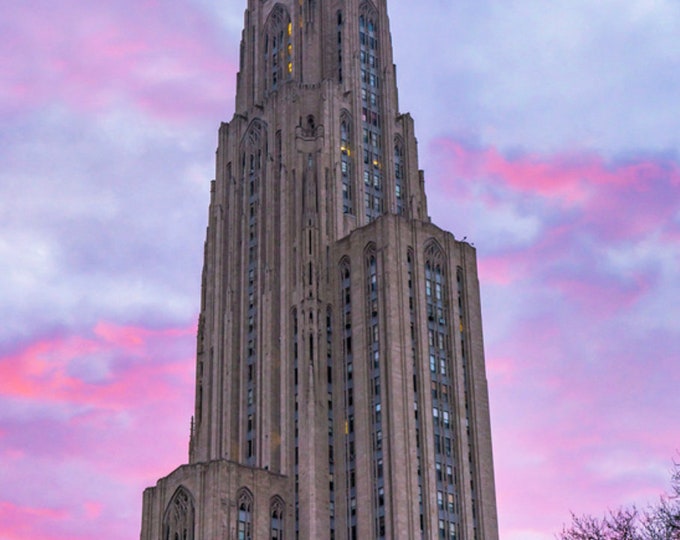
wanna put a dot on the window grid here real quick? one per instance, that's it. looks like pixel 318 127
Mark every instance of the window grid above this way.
pixel 439 351
pixel 278 48
pixel 373 341
pixel 371 117
pixel 252 177
pixel 399 187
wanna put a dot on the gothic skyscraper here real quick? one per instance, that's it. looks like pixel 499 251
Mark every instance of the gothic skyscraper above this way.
pixel 340 382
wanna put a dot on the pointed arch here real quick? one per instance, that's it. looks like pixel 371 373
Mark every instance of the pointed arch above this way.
pixel 277 509
pixel 371 267
pixel 345 126
pixel 368 16
pixel 440 350
pixel 370 249
pixel 374 151
pixel 345 267
pixel 256 135
pixel 376 360
pixel 436 289
pixel 434 256
pixel 180 516
pixel 244 526
pixel 254 150
pixel 278 47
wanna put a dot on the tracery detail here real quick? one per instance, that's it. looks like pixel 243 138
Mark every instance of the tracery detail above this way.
pixel 244 527
pixel 278 48
pixel 178 522
pixel 253 172
pixel 276 523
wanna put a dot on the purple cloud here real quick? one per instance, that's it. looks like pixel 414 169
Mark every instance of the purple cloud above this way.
pixel 96 56
pixel 579 353
pixel 68 402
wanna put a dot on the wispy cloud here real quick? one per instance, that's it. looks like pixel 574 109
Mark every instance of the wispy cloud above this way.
pixel 68 402
pixel 579 348
pixel 95 56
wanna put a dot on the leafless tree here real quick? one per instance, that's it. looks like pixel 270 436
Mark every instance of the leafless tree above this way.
pixel 657 522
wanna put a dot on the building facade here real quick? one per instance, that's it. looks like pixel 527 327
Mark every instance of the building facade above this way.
pixel 340 381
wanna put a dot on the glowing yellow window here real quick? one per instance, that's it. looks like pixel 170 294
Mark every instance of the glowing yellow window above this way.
pixel 290 67
pixel 290 28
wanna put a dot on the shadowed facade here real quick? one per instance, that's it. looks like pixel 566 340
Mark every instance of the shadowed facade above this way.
pixel 340 381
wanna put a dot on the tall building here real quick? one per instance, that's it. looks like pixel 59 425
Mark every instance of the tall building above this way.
pixel 340 382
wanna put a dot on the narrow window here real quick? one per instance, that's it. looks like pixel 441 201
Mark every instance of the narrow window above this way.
pixel 245 518
pixel 276 519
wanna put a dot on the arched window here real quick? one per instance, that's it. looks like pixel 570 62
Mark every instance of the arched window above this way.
pixel 276 511
pixel 254 148
pixel 371 112
pixel 178 521
pixel 440 353
pixel 375 387
pixel 244 527
pixel 278 48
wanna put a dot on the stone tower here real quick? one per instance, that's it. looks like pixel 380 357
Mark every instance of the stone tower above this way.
pixel 340 382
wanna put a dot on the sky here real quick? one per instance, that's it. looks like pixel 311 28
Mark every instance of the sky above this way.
pixel 549 134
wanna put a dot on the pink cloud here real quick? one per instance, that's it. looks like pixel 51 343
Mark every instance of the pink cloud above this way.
pixel 580 206
pixel 44 370
pixel 93 509
pixel 94 56
pixel 18 522
pixel 570 179
pixel 584 417
pixel 500 269
pixel 81 443
pixel 581 366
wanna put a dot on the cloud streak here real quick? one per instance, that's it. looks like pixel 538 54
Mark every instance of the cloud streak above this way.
pixel 582 377
pixel 67 404
pixel 124 53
